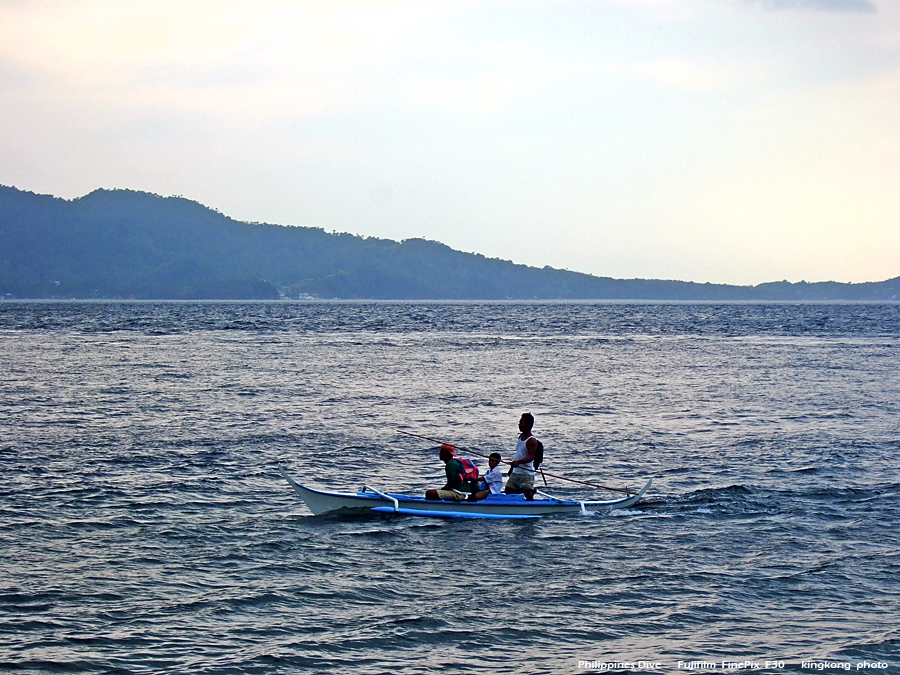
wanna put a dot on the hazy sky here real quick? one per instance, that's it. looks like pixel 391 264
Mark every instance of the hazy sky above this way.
pixel 732 141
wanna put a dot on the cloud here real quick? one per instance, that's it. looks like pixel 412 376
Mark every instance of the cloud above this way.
pixel 271 58
pixel 697 77
pixel 850 6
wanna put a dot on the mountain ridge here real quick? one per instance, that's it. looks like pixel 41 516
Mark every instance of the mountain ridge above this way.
pixel 133 244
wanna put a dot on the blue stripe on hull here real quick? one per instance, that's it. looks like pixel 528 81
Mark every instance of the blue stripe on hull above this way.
pixel 446 514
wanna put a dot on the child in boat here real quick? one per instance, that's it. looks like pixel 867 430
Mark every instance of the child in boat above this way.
pixel 491 483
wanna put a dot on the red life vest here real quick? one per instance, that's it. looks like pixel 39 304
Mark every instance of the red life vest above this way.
pixel 470 471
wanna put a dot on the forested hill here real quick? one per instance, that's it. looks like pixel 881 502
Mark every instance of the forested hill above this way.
pixel 124 244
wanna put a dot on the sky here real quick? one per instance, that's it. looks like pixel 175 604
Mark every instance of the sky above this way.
pixel 728 141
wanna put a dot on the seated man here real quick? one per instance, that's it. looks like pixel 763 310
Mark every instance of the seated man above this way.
pixel 492 481
pixel 452 491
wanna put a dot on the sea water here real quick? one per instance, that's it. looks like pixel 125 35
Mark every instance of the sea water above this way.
pixel 144 527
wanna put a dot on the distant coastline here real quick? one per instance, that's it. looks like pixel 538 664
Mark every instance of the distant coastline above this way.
pixel 457 301
pixel 128 245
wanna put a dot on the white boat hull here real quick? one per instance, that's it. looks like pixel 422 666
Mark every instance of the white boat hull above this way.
pixel 510 506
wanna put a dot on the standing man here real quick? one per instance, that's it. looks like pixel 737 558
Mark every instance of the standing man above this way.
pixel 521 472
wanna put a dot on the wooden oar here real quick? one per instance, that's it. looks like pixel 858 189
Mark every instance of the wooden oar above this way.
pixel 481 454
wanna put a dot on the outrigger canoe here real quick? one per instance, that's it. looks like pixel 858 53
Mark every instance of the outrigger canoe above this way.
pixel 372 500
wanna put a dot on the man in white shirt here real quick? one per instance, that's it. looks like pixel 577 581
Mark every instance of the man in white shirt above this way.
pixel 521 472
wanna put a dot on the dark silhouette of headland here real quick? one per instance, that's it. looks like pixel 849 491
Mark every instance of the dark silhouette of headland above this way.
pixel 127 244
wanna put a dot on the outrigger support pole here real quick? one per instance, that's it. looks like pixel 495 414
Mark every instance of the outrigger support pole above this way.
pixel 552 475
pixel 584 511
pixel 386 496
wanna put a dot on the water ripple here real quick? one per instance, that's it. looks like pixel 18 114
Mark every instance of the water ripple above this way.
pixel 144 526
